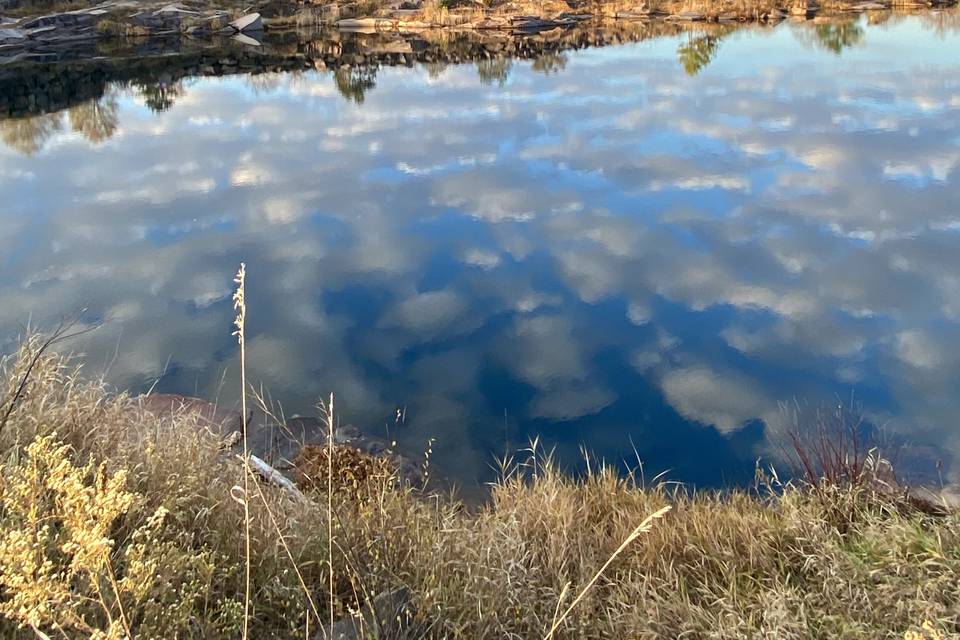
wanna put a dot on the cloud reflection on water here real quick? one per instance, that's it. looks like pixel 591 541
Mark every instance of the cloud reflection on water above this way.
pixel 602 247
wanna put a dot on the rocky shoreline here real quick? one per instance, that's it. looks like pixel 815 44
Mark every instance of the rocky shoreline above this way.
pixel 33 86
pixel 55 77
pixel 28 36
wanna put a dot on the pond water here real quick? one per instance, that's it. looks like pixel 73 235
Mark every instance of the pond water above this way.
pixel 647 247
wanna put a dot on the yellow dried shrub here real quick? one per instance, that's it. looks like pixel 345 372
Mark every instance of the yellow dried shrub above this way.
pixel 62 569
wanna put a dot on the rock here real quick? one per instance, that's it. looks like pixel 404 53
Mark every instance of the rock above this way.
pixel 366 23
pixel 869 6
pixel 39 31
pixel 145 20
pixel 404 14
pixel 175 9
pixel 687 16
pixel 537 24
pixel 249 22
pixel 58 20
pixel 776 15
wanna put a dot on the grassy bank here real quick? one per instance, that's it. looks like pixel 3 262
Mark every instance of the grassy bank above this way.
pixel 119 522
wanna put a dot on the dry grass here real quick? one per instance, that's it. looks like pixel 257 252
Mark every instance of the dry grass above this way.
pixel 160 547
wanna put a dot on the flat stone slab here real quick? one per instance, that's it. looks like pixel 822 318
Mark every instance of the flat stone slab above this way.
pixel 249 22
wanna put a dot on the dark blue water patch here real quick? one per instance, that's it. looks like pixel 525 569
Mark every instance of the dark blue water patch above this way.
pixel 641 424
pixel 441 270
pixel 362 303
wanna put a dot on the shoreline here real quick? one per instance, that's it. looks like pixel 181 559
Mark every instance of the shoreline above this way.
pixel 50 77
pixel 29 35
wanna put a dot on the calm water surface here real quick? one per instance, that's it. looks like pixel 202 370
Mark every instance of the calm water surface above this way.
pixel 650 245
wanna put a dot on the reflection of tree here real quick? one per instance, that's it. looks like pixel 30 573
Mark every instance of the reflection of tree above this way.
pixel 160 96
pixel 264 83
pixel 28 135
pixel 942 23
pixel 697 53
pixel 354 82
pixel 435 69
pixel 95 120
pixel 550 63
pixel 494 71
pixel 837 37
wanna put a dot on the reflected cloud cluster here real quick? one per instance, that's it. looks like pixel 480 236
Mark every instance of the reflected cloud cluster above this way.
pixel 598 250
